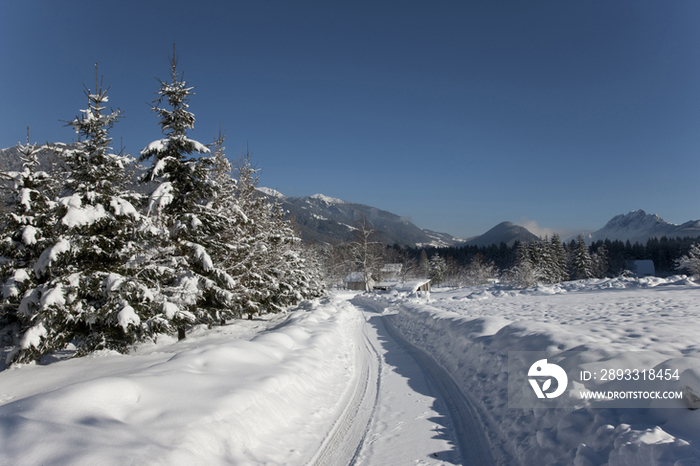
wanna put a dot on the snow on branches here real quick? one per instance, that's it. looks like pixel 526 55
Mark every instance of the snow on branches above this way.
pixel 690 261
pixel 88 262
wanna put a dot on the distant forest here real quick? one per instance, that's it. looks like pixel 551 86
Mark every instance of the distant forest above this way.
pixel 664 252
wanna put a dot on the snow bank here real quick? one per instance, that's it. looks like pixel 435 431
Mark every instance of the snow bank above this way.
pixel 208 401
pixel 470 333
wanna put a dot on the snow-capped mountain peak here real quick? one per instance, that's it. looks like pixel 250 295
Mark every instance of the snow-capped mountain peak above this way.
pixel 327 199
pixel 636 220
pixel 271 192
pixel 638 226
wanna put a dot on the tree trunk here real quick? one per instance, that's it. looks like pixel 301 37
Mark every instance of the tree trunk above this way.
pixel 180 333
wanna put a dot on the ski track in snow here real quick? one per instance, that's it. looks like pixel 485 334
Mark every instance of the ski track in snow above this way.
pixel 344 440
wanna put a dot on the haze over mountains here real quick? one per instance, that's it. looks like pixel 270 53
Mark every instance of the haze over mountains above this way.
pixel 328 220
pixel 325 219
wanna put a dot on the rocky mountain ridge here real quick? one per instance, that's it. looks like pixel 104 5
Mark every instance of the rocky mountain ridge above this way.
pixel 638 226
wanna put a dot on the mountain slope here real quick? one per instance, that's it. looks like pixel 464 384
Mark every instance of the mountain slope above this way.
pixel 505 232
pixel 324 219
pixel 638 226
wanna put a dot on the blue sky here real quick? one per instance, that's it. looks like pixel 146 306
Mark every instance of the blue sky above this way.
pixel 458 114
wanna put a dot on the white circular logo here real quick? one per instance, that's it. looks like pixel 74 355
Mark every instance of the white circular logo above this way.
pixel 542 369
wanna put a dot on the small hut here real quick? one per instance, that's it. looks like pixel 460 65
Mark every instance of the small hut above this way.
pixel 357 281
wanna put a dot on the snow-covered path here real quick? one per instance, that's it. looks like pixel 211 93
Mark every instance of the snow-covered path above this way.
pixel 421 417
pixel 410 424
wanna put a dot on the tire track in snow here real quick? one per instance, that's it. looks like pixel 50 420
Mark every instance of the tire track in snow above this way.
pixel 474 447
pixel 343 443
pixel 472 442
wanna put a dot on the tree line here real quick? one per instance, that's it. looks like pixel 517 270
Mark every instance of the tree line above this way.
pixel 89 263
pixel 546 261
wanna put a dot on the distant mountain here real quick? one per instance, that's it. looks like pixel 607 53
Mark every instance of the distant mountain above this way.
pixel 505 232
pixel 48 160
pixel 326 219
pixel 638 226
pixel 10 161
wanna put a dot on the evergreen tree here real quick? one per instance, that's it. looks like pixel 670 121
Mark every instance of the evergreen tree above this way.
pixel 26 228
pixel 690 261
pixel 292 273
pixel 581 262
pixel 196 216
pixel 600 262
pixel 543 261
pixel 84 288
pixel 30 195
pixel 250 259
pixel 438 269
pixel 269 262
pixel 559 259
pixel 523 274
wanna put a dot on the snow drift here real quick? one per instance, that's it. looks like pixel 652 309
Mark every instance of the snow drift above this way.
pixel 470 332
pixel 202 401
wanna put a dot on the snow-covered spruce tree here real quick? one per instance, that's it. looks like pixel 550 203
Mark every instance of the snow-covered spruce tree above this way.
pixel 438 269
pixel 222 298
pixel 274 270
pixel 543 261
pixel 691 261
pixel 25 229
pixel 295 270
pixel 523 274
pixel 250 257
pixel 559 259
pixel 85 287
pixel 600 262
pixel 581 262
pixel 194 215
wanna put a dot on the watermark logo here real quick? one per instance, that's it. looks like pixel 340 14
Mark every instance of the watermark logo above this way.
pixel 543 369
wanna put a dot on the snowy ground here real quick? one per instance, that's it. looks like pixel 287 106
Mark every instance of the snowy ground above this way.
pixel 213 399
pixel 372 379
pixel 472 332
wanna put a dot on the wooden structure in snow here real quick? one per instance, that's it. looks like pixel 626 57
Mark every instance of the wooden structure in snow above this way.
pixel 413 286
pixel 357 281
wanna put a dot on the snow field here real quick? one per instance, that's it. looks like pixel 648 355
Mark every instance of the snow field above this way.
pixel 207 400
pixel 469 332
